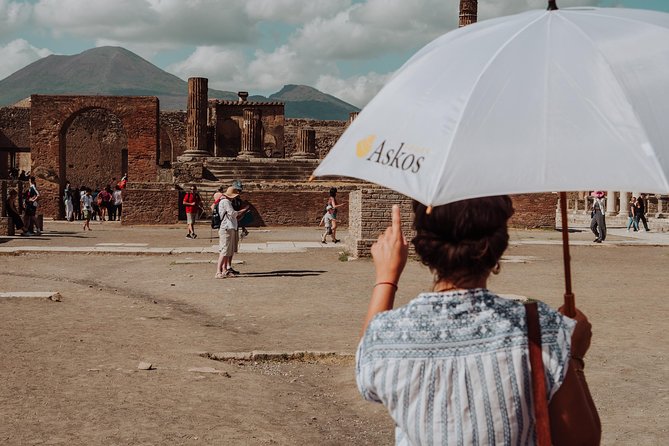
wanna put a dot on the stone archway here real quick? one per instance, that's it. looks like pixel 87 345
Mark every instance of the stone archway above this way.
pixel 50 119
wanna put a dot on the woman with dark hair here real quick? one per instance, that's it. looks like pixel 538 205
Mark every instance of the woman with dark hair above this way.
pixel 332 201
pixel 452 366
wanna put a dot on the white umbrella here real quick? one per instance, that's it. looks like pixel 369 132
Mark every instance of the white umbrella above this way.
pixel 556 100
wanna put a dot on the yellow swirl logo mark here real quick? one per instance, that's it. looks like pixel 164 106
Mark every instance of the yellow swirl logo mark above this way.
pixel 364 146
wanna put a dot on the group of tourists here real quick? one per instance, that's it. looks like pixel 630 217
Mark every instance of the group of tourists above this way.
pixel 86 204
pixel 27 223
pixel 636 212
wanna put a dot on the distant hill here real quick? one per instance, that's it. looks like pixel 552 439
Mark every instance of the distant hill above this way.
pixel 119 72
pixel 302 101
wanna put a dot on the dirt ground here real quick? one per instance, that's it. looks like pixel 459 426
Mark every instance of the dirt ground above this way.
pixel 69 370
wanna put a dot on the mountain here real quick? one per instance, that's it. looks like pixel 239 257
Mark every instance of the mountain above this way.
pixel 302 101
pixel 119 72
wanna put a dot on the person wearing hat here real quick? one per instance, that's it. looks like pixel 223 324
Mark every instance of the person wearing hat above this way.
pixel 328 220
pixel 597 221
pixel 228 238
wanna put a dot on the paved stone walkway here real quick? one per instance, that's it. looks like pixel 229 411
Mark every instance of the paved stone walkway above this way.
pixel 58 238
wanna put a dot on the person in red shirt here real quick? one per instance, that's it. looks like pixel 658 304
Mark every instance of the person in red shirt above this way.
pixel 192 204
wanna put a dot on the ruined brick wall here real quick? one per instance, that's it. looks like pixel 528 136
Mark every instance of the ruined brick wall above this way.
pixel 14 134
pixel 533 211
pixel 327 134
pixel 278 207
pixel 95 141
pixel 150 204
pixel 172 136
pixel 51 116
pixel 14 127
pixel 370 214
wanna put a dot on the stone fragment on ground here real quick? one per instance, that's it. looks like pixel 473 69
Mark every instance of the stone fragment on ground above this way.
pixel 145 366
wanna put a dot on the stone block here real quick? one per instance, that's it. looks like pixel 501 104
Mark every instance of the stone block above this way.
pixel 6 227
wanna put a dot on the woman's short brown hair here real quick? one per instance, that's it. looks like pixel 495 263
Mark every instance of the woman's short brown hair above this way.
pixel 464 239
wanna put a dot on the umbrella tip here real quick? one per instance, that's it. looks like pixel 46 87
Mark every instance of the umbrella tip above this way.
pixel 428 211
pixel 552 5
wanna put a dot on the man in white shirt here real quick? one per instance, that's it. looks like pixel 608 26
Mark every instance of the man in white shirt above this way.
pixel 228 238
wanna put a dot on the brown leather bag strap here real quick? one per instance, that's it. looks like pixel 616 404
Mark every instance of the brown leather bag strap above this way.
pixel 541 417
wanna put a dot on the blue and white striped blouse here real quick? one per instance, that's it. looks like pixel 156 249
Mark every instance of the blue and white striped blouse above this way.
pixel 452 368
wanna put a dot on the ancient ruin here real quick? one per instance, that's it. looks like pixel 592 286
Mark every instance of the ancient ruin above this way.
pixel 92 140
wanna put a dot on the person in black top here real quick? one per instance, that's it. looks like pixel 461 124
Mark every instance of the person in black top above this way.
pixel 641 208
pixel 641 212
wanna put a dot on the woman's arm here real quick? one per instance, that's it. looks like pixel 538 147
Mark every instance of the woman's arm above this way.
pixel 390 254
pixel 573 415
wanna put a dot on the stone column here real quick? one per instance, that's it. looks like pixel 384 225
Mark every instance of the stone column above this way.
pixel 250 134
pixel 624 204
pixel 196 127
pixel 306 144
pixel 610 202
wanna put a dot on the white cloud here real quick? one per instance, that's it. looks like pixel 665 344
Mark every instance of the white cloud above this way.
pixel 194 22
pixel 225 68
pixel 17 54
pixel 356 90
pixel 12 16
pixel 294 11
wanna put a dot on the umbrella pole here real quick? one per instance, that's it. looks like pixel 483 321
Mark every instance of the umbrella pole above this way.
pixel 569 302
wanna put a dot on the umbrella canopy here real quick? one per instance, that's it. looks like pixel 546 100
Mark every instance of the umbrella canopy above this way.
pixel 570 99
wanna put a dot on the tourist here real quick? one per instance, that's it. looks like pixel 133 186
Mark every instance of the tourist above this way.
pixel 631 215
pixel 192 203
pixel 597 219
pixel 67 199
pixel 103 199
pixel 123 182
pixel 237 205
pixel 13 212
pixel 217 196
pixel 640 215
pixel 30 211
pixel 329 221
pixel 87 206
pixel 332 201
pixel 76 204
pixel 228 236
pixel 451 366
pixel 117 203
pixel 96 207
pixel 23 176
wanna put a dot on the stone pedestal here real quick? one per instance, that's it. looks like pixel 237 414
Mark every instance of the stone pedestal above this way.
pixel 306 144
pixel 196 127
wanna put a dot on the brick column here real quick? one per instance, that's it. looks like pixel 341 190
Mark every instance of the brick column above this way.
pixel 306 144
pixel 250 130
pixel 468 12
pixel 196 128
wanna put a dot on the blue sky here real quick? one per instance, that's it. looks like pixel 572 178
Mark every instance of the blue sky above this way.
pixel 347 48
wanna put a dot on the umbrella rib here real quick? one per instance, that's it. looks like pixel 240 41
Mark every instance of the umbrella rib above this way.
pixel 464 107
pixel 624 19
pixel 624 92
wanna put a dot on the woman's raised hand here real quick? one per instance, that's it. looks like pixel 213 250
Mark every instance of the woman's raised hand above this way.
pixel 390 251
